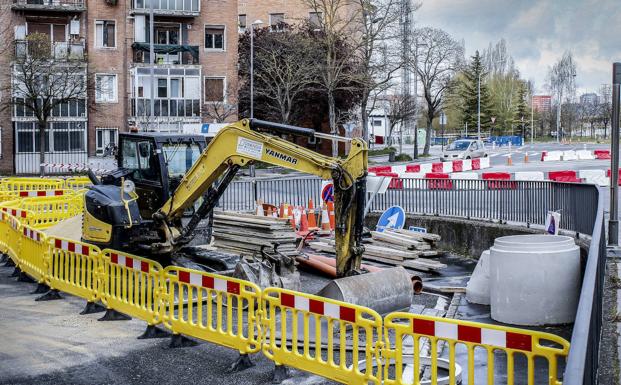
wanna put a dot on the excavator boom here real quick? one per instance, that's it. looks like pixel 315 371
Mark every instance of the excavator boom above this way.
pixel 242 143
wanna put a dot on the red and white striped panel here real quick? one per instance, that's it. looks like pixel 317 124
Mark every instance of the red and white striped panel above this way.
pixel 71 247
pixel 208 282
pixel 132 263
pixel 477 335
pixel 41 193
pixel 15 212
pixel 318 307
pixel 32 234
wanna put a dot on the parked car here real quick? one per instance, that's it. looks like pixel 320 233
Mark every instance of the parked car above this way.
pixel 464 149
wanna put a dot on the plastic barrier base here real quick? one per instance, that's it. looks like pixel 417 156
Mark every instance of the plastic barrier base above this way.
pixel 242 362
pixel 92 308
pixel 9 263
pixel 281 373
pixel 16 272
pixel 51 295
pixel 179 341
pixel 154 332
pixel 41 289
pixel 113 315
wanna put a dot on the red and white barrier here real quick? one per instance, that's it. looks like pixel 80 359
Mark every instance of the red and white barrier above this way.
pixel 129 262
pixel 327 309
pixel 602 154
pixel 529 176
pixel 564 176
pixel 585 155
pixel 209 282
pixel 41 193
pixel 71 247
pixel 598 177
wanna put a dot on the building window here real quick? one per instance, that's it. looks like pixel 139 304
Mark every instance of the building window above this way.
pixel 106 139
pixel 214 37
pixel 277 21
pixel 105 34
pixel 314 18
pixel 162 88
pixel 242 23
pixel 59 137
pixel 377 123
pixel 214 90
pixel 105 88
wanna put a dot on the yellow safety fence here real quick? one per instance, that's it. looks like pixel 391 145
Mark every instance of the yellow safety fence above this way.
pixel 131 285
pixel 10 185
pixel 43 212
pixel 212 307
pixel 320 332
pixel 343 342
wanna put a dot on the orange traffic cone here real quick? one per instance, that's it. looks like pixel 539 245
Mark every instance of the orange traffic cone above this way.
pixel 331 214
pixel 509 161
pixel 303 224
pixel 325 219
pixel 283 210
pixel 312 220
pixel 526 158
pixel 290 216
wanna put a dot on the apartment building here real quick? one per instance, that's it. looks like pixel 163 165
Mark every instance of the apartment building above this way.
pixel 192 72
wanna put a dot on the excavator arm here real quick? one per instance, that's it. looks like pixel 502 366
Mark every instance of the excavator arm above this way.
pixel 244 142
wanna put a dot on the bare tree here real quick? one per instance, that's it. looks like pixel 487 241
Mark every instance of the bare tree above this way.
pixel 400 109
pixel 605 106
pixel 562 82
pixel 339 40
pixel 285 68
pixel 379 51
pixel 44 78
pixel 6 26
pixel 438 61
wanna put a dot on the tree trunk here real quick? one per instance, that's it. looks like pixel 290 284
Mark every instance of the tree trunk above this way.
pixel 428 133
pixel 42 125
pixel 364 119
pixel 332 121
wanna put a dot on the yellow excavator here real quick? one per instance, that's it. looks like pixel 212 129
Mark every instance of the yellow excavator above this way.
pixel 163 179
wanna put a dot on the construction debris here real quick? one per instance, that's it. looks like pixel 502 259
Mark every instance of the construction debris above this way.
pixel 395 248
pixel 247 233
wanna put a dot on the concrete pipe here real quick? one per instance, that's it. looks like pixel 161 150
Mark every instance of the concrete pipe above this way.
pixel 534 279
pixel 477 289
pixel 384 291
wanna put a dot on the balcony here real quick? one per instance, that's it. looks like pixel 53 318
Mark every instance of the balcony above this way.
pixel 176 8
pixel 49 5
pixel 60 50
pixel 166 108
pixel 166 54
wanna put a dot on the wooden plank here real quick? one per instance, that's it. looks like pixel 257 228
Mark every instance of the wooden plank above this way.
pixel 418 236
pixel 423 264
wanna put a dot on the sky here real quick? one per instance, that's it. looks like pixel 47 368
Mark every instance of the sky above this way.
pixel 537 33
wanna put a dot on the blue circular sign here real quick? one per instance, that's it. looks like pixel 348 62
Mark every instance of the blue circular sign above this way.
pixel 327 193
pixel 392 218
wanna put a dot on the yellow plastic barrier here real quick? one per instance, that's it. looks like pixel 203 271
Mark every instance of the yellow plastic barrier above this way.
pixel 319 331
pixel 34 253
pixel 43 212
pixel 470 335
pixel 73 267
pixel 131 285
pixel 13 238
pixel 77 182
pixel 213 308
pixel 30 184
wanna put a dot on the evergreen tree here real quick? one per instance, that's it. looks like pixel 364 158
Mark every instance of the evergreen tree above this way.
pixel 521 111
pixel 469 94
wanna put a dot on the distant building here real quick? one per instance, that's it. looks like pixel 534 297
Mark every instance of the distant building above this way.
pixel 589 98
pixel 542 103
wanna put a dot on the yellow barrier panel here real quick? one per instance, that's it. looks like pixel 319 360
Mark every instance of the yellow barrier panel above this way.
pixel 34 253
pixel 29 184
pixel 13 238
pixel 489 340
pixel 213 308
pixel 319 331
pixel 43 212
pixel 131 285
pixel 73 267
pixel 77 182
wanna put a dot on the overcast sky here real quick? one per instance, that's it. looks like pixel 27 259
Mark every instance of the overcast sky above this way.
pixel 537 33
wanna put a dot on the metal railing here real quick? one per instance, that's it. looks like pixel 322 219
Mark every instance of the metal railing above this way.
pixel 166 107
pixel 60 50
pixel 524 202
pixel 63 4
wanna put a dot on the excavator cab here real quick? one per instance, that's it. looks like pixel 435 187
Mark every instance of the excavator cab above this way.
pixel 155 163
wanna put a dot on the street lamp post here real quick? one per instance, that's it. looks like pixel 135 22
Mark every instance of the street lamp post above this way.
pixel 255 23
pixel 415 112
pixel 479 106
pixel 613 222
